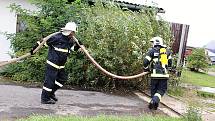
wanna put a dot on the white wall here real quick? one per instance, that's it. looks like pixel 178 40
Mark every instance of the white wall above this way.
pixel 8 24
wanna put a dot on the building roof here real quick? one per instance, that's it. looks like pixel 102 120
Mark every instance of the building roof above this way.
pixel 138 4
pixel 134 2
pixel 211 46
pixel 212 59
pixel 134 5
pixel 211 54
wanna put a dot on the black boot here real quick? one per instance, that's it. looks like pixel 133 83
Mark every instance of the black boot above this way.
pixel 45 97
pixel 151 106
pixel 53 96
pixel 154 103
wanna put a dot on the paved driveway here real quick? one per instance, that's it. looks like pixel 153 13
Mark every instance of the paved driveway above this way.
pixel 18 102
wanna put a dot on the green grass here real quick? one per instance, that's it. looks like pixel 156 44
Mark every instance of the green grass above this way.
pixel 212 105
pixel 101 118
pixel 179 91
pixel 198 79
pixel 205 94
pixel 212 68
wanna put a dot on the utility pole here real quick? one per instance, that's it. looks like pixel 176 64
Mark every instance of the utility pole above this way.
pixel 181 46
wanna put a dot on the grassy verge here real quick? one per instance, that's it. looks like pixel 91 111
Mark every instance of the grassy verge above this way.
pixel 198 79
pixel 178 92
pixel 213 66
pixel 205 94
pixel 101 118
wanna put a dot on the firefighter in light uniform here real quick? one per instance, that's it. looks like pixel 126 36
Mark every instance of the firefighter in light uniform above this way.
pixel 60 45
pixel 159 60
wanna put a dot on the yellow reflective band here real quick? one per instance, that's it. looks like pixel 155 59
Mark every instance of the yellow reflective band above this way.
pixel 148 58
pixel 59 84
pixel 54 65
pixel 158 95
pixel 160 75
pixel 61 50
pixel 47 89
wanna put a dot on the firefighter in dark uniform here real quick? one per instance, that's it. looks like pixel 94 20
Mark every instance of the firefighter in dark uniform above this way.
pixel 159 60
pixel 60 45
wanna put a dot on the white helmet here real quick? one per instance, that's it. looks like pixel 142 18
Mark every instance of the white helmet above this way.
pixel 70 26
pixel 157 41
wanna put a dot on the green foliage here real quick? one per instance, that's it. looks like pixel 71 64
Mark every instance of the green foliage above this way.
pixel 205 94
pixel 212 68
pixel 193 114
pixel 175 90
pixel 198 60
pixel 174 81
pixel 116 38
pixel 174 87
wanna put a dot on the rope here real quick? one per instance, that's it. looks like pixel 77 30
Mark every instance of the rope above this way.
pixel 87 54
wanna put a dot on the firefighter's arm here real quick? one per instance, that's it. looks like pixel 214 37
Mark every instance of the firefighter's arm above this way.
pixel 76 47
pixel 147 60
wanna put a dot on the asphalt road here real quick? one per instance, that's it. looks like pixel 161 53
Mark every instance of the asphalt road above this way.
pixel 19 102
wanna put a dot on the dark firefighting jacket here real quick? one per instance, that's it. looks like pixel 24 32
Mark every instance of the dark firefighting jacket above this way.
pixel 60 47
pixel 157 65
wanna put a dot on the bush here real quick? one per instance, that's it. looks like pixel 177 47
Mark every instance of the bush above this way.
pixel 198 60
pixel 193 114
pixel 116 38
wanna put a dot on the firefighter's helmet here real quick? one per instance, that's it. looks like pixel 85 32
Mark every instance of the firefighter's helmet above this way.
pixel 157 41
pixel 70 26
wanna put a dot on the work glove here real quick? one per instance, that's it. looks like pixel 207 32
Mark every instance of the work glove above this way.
pixel 172 70
pixel 146 69
pixel 80 50
pixel 32 49
pixel 77 47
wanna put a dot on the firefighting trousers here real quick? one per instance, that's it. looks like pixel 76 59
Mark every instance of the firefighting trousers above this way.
pixel 54 78
pixel 158 86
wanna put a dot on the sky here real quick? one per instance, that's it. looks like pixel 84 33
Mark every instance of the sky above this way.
pixel 199 14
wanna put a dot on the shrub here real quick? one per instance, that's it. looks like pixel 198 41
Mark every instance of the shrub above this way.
pixel 193 114
pixel 198 60
pixel 116 38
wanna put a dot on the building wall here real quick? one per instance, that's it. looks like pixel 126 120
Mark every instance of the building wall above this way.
pixel 8 24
